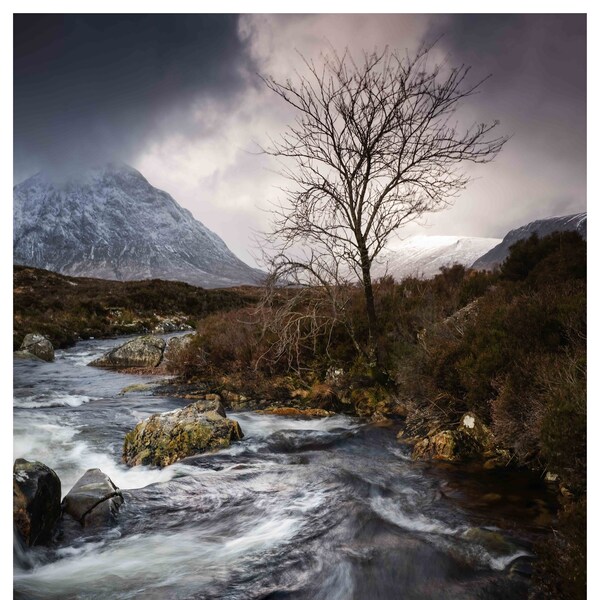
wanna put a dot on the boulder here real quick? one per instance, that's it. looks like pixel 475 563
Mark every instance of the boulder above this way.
pixel 447 445
pixel 36 501
pixel 165 438
pixel 24 355
pixel 300 413
pixel 38 345
pixel 170 325
pixel 472 425
pixel 215 398
pixel 94 500
pixel 234 400
pixel 144 351
pixel 175 346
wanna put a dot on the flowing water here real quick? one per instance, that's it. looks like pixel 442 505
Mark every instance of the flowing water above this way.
pixel 322 509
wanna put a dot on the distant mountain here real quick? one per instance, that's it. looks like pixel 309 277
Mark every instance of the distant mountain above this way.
pixel 423 256
pixel 112 224
pixel 542 227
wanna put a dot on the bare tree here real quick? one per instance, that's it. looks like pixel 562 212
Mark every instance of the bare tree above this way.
pixel 373 148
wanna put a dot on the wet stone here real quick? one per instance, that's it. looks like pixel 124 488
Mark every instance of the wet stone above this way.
pixel 94 500
pixel 36 501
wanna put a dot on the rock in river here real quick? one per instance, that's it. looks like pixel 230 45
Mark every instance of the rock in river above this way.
pixel 175 347
pixel 37 345
pixel 94 500
pixel 36 501
pixel 165 438
pixel 448 445
pixel 144 351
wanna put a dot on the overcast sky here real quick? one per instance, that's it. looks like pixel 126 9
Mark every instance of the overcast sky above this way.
pixel 178 97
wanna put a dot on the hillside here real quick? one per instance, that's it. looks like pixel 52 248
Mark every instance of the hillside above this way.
pixel 70 308
pixel 541 228
pixel 423 256
pixel 110 223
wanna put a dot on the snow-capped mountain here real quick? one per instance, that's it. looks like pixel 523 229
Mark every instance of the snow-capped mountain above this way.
pixel 423 255
pixel 112 224
pixel 542 227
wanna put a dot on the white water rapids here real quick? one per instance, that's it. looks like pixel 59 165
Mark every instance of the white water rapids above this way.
pixel 321 509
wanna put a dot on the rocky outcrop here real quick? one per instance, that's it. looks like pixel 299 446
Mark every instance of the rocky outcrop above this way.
pixel 165 438
pixel 448 445
pixel 375 404
pixel 170 325
pixel 472 425
pixel 451 328
pixel 300 413
pixel 37 345
pixel 94 500
pixel 235 401
pixel 470 440
pixel 175 346
pixel 36 501
pixel 144 351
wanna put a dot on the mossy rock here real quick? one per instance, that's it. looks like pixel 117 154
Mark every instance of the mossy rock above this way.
pixel 376 403
pixel 39 346
pixel 300 413
pixel 36 501
pixel 447 445
pixel 144 351
pixel 165 438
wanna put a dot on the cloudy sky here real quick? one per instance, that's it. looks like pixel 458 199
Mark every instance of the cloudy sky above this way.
pixel 179 98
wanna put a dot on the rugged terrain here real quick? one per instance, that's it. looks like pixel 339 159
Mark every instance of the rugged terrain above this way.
pixel 541 228
pixel 66 309
pixel 111 223
pixel 424 255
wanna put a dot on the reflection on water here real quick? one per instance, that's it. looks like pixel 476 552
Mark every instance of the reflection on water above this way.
pixel 325 509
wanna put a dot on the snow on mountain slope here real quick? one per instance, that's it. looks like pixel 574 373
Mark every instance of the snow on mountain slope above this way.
pixel 423 256
pixel 111 223
pixel 543 227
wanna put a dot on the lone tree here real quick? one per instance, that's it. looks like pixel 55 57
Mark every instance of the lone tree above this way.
pixel 373 148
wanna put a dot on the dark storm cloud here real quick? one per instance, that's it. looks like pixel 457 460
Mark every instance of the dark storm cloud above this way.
pixel 97 87
pixel 176 96
pixel 538 92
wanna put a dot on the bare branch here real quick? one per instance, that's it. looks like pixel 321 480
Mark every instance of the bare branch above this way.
pixel 373 148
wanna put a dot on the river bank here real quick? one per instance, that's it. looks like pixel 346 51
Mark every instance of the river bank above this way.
pixel 322 508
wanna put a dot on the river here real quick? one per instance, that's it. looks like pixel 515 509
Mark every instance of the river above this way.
pixel 329 509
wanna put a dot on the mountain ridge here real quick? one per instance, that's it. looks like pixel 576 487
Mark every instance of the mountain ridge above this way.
pixel 542 227
pixel 422 256
pixel 111 223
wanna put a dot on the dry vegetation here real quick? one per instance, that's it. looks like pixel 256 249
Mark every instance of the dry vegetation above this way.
pixel 66 309
pixel 509 346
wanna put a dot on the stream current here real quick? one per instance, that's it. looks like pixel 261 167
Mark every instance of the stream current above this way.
pixel 329 509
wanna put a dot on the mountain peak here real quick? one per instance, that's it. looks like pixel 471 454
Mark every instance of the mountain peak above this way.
pixel 109 222
pixel 541 227
pixel 424 255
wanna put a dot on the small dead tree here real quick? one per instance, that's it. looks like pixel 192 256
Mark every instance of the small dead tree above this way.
pixel 299 318
pixel 373 148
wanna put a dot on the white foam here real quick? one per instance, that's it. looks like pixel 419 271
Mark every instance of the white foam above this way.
pixel 389 509
pixel 52 399
pixel 263 425
pixel 156 560
pixel 55 443
pixel 499 563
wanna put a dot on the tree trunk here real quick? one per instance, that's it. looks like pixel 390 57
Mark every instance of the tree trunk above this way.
pixel 370 302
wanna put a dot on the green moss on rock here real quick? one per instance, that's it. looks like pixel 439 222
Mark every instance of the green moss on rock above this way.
pixel 165 438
